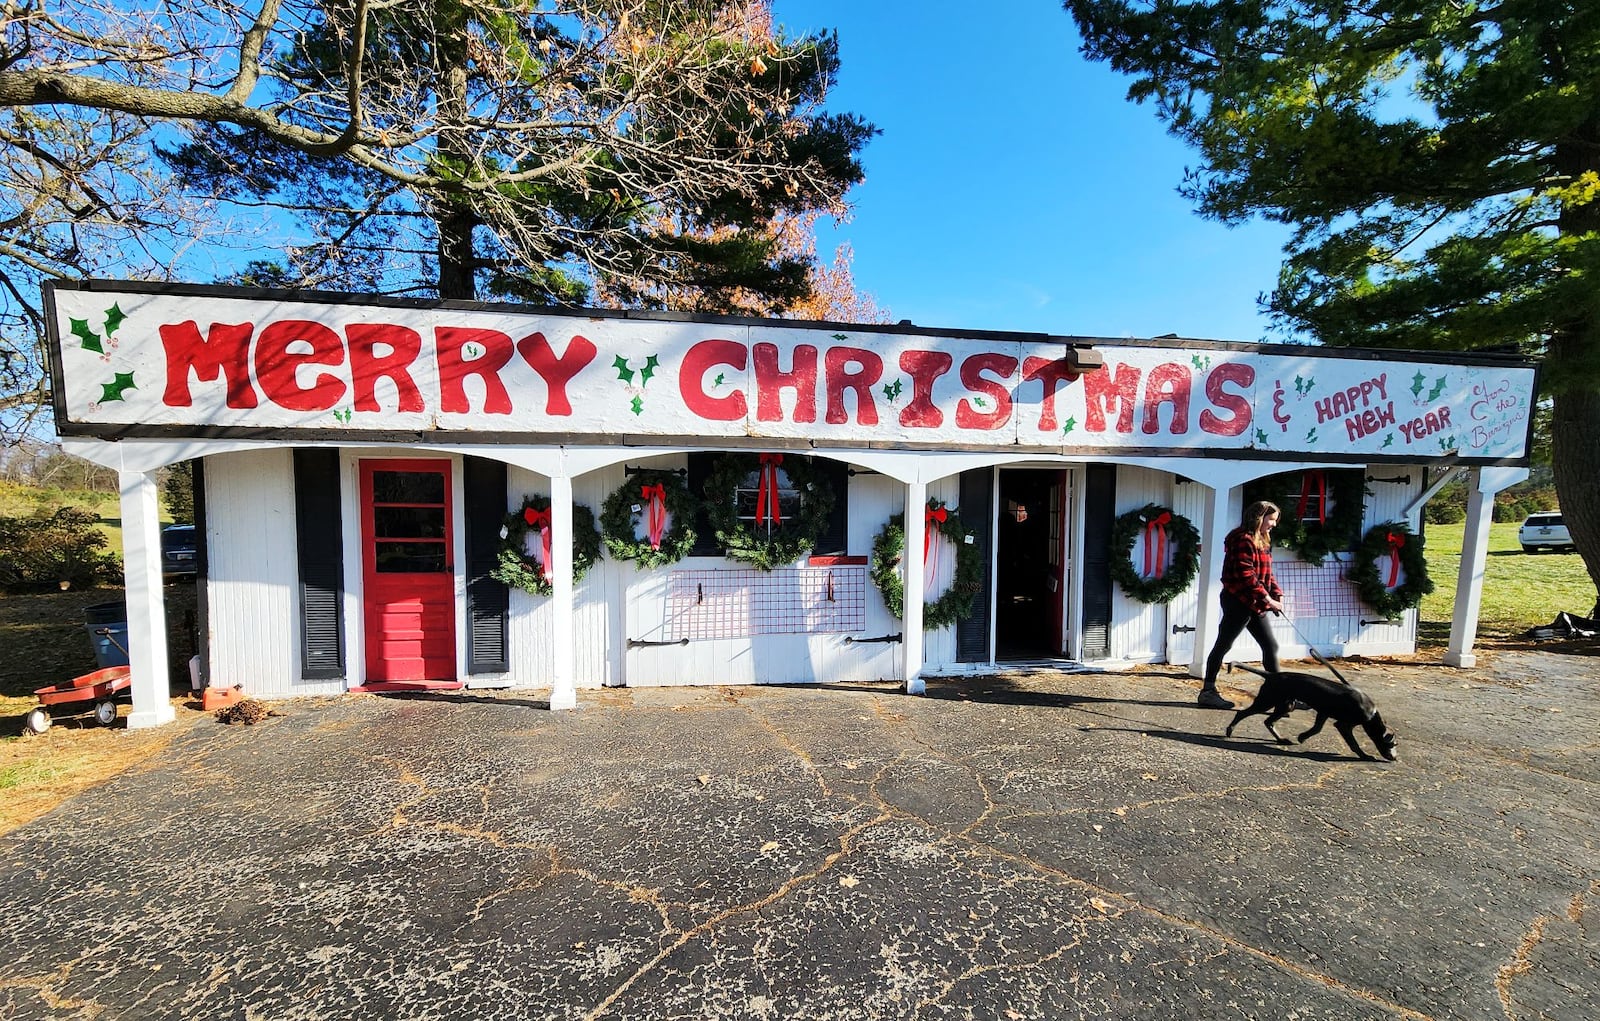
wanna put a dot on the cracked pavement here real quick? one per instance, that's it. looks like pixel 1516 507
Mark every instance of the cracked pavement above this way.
pixel 1041 845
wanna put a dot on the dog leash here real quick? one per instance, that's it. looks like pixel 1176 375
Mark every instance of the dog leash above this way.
pixel 1313 649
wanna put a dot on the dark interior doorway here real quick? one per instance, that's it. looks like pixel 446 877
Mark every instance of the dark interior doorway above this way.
pixel 1027 601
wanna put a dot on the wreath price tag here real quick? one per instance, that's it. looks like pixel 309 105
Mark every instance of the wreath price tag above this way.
pixel 649 519
pixel 1166 536
pixel 1390 569
pixel 520 567
pixel 888 553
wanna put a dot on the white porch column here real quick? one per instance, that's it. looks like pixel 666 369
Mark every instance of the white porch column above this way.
pixel 1220 517
pixel 147 617
pixel 1485 483
pixel 563 685
pixel 916 527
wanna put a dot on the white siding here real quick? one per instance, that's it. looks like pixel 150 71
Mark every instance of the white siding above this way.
pixel 1188 501
pixel 251 588
pixel 1138 629
pixel 637 601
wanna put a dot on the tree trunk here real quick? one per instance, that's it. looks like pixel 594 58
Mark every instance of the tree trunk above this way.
pixel 1574 356
pixel 456 258
pixel 457 262
pixel 1575 456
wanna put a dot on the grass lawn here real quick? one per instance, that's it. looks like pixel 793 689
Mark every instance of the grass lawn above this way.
pixel 1520 591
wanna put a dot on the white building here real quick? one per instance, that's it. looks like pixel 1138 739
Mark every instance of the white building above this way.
pixel 360 457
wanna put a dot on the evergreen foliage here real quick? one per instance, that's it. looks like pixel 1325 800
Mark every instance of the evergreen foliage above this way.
pixel 1439 161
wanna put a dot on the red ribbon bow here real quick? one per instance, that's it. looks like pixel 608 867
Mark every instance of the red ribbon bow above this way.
pixel 935 516
pixel 1313 483
pixel 1155 545
pixel 1395 542
pixel 767 491
pixel 540 519
pixel 655 498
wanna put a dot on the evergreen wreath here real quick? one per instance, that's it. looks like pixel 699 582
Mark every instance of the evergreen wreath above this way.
pixel 626 506
pixel 1311 540
pixel 518 568
pixel 1373 566
pixel 956 603
pixel 1167 582
pixel 763 546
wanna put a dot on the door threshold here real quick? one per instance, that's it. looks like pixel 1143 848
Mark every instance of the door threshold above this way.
pixel 1059 664
pixel 381 687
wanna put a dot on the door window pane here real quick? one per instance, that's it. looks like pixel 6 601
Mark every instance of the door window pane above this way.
pixel 408 522
pixel 409 557
pixel 407 487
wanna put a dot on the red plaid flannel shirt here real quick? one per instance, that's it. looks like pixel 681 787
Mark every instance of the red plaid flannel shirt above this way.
pixel 1247 571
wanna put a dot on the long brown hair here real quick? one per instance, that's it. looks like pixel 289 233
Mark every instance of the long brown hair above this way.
pixel 1254 521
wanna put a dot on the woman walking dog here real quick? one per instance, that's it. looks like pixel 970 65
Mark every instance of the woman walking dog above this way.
pixel 1249 593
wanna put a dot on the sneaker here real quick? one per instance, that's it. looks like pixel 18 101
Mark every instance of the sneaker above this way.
pixel 1210 699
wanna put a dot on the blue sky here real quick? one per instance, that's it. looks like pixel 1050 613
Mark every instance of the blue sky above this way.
pixel 1015 188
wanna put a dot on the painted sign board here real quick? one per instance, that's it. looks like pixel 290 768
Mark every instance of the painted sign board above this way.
pixel 165 361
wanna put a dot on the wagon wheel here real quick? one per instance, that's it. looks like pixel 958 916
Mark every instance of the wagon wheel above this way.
pixel 105 713
pixel 37 721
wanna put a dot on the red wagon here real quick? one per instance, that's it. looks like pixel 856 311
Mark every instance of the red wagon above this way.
pixel 100 687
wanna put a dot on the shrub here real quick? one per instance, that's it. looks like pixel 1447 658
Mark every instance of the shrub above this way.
pixel 63 547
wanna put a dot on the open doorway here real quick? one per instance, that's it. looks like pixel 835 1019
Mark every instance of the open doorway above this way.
pixel 1029 580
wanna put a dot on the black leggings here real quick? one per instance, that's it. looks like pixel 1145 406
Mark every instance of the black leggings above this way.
pixel 1237 617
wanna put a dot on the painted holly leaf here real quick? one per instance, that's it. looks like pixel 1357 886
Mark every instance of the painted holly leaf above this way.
pixel 1416 384
pixel 89 340
pixel 1199 362
pixel 718 381
pixel 1438 388
pixel 979 402
pixel 114 318
pixel 650 365
pixel 1311 437
pixel 1447 443
pixel 1069 425
pixel 841 336
pixel 623 372
pixel 1388 441
pixel 114 390
pixel 891 391
pixel 472 350
pixel 1261 437
pixel 637 404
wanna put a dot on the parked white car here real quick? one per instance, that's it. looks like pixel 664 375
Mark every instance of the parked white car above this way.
pixel 1544 531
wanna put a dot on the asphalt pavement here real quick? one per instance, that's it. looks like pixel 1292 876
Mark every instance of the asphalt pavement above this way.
pixel 1031 845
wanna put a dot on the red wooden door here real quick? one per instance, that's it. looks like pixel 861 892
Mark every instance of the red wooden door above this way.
pixel 407 544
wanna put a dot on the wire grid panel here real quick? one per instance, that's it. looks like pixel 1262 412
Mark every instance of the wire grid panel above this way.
pixel 1316 590
pixel 741 603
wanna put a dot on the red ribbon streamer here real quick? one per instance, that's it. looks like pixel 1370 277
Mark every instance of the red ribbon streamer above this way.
pixel 540 519
pixel 931 520
pixel 1155 545
pixel 1395 542
pixel 767 491
pixel 655 498
pixel 1315 481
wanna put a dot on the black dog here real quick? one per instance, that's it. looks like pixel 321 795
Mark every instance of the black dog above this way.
pixel 1349 707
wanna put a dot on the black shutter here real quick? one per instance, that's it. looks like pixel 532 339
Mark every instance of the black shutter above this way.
pixel 320 547
pixel 1100 503
pixel 976 510
pixel 483 483
pixel 835 540
pixel 700 465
